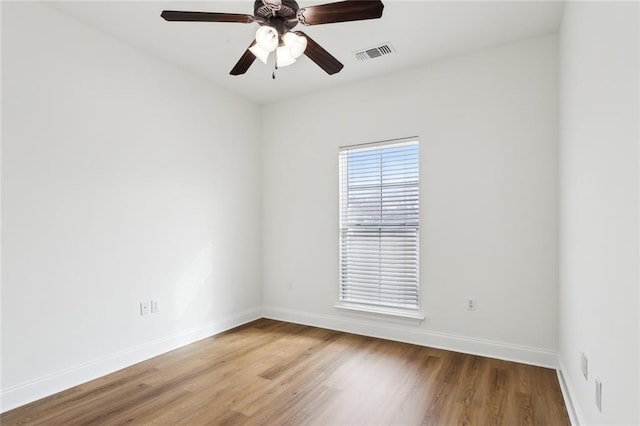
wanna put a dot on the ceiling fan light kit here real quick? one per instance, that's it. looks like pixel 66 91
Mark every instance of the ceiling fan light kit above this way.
pixel 267 38
pixel 295 43
pixel 283 57
pixel 288 47
pixel 260 53
pixel 276 19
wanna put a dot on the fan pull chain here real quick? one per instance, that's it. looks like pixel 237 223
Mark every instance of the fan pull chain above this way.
pixel 275 68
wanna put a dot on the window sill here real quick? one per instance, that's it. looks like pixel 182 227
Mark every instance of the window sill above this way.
pixel 396 313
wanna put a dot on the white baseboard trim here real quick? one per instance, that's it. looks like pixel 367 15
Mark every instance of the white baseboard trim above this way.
pixel 567 394
pixel 25 393
pixel 400 333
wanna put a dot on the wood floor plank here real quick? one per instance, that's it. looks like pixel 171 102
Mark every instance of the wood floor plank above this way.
pixel 271 372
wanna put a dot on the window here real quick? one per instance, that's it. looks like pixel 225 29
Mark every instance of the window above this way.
pixel 379 225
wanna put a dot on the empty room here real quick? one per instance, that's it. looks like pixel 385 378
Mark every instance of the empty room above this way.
pixel 320 213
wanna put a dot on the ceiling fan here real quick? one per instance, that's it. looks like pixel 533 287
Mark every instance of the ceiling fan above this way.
pixel 277 18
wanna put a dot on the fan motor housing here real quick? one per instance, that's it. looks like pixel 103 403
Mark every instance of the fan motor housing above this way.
pixel 287 13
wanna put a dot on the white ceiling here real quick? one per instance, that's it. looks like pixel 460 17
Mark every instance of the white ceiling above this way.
pixel 420 31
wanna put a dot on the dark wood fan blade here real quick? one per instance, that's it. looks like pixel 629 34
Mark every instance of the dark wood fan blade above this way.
pixel 245 62
pixel 176 15
pixel 344 11
pixel 321 57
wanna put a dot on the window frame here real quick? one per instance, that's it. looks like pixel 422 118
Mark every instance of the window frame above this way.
pixel 410 312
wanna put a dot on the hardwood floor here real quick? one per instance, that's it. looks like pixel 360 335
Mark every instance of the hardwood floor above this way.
pixel 276 373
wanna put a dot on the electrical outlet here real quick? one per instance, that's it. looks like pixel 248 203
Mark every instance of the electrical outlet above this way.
pixel 584 365
pixel 599 394
pixel 144 307
pixel 155 306
pixel 471 304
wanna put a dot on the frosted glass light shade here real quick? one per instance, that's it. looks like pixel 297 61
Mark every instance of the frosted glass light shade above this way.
pixel 283 57
pixel 259 53
pixel 295 43
pixel 267 38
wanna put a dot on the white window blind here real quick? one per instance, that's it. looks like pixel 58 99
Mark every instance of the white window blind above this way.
pixel 379 224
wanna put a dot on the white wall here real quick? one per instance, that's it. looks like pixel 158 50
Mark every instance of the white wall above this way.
pixel 123 179
pixel 487 123
pixel 599 186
